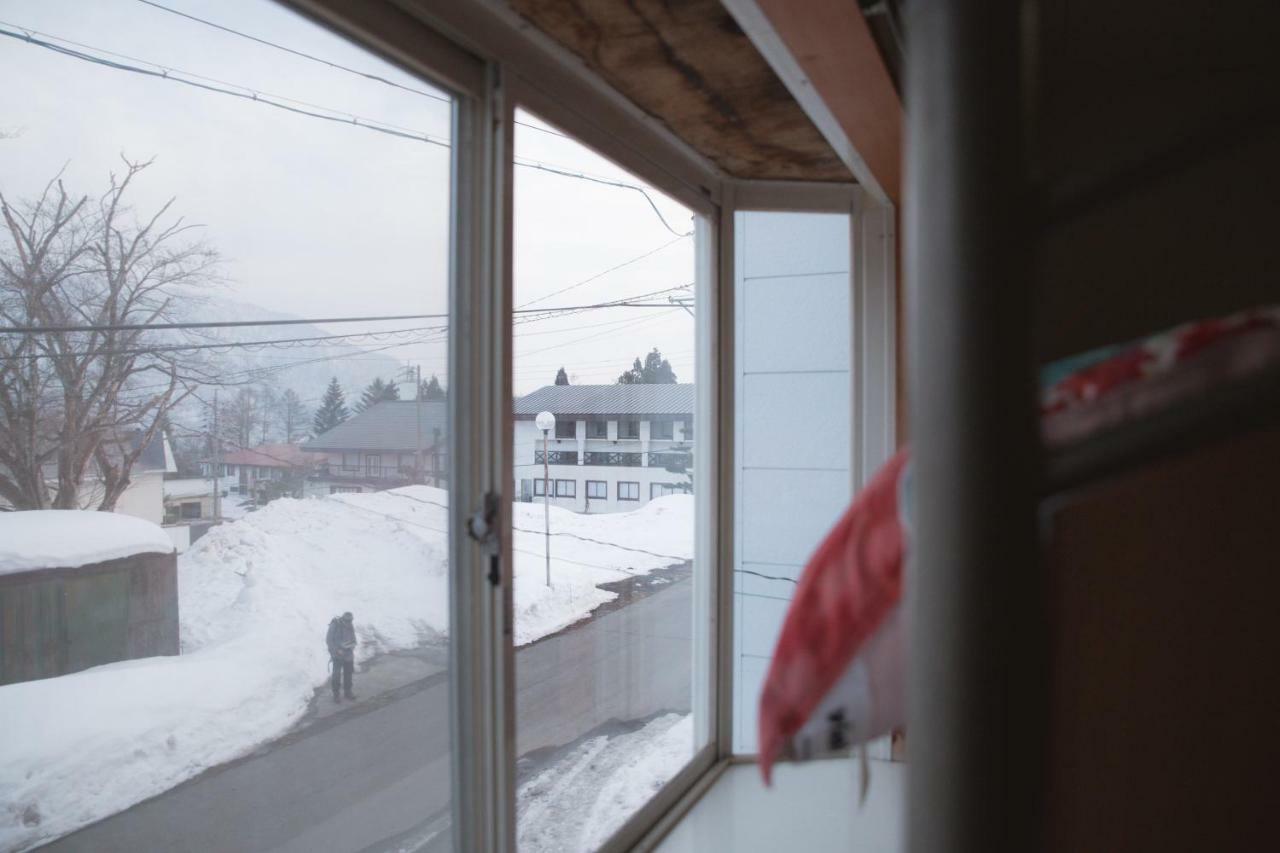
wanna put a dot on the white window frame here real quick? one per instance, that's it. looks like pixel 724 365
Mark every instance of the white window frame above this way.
pixel 492 60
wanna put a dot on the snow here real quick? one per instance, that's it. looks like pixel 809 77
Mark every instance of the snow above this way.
pixel 191 487
pixel 57 538
pixel 255 598
pixel 582 799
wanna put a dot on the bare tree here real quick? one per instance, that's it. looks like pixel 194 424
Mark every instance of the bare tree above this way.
pixel 86 393
pixel 293 416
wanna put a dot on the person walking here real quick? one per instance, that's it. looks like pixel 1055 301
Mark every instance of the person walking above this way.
pixel 341 640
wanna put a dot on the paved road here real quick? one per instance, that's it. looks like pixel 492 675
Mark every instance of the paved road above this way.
pixel 359 779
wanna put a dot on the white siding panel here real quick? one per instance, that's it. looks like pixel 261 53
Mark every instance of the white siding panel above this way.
pixel 784 514
pixel 796 323
pixel 765 616
pixel 795 244
pixel 796 420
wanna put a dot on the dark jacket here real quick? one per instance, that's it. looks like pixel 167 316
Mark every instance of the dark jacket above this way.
pixel 341 639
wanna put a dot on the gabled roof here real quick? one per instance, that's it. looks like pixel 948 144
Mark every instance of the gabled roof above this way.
pixel 269 456
pixel 674 399
pixel 392 425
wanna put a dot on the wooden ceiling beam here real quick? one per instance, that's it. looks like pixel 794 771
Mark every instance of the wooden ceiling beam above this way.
pixel 824 53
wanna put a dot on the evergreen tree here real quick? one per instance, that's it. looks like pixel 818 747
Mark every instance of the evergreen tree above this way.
pixel 376 392
pixel 432 389
pixel 333 408
pixel 655 370
pixel 562 378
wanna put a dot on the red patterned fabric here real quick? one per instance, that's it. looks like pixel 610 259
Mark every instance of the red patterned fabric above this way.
pixel 850 584
pixel 839 651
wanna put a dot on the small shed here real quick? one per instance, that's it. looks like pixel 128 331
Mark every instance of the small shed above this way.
pixel 79 589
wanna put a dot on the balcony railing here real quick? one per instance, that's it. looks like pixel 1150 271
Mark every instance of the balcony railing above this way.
pixel 670 460
pixel 614 458
pixel 557 457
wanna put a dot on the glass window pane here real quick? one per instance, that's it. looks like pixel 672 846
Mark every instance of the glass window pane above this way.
pixel 291 449
pixel 793 325
pixel 603 333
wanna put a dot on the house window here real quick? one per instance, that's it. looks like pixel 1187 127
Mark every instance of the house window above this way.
pixel 539 487
pixel 661 430
pixel 597 489
pixel 373 465
pixel 566 428
pixel 629 429
pixel 628 491
pixel 351 462
pixel 661 490
pixel 597 429
pixel 342 490
pixel 190 509
pixel 566 488
pixel 688 430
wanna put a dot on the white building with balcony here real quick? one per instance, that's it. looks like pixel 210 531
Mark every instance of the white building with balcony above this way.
pixel 614 447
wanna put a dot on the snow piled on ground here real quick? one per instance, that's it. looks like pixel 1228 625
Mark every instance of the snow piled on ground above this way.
pixel 58 538
pixel 582 799
pixel 255 598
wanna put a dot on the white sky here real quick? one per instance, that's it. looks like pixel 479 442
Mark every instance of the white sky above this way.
pixel 317 218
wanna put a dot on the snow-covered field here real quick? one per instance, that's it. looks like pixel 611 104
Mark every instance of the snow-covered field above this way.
pixel 582 799
pixel 255 597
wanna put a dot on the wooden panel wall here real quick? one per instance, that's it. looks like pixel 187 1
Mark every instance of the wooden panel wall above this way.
pixel 1162 593
pixel 1154 132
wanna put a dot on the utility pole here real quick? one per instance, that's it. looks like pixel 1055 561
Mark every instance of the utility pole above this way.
pixel 417 406
pixel 546 422
pixel 217 463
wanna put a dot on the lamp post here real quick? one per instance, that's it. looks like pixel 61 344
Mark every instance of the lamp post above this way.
pixel 546 422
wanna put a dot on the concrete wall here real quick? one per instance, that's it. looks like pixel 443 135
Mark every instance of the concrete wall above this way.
pixel 63 620
pixel 793 423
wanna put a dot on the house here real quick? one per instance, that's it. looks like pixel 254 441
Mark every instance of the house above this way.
pixel 388 445
pixel 191 499
pixel 614 447
pixel 144 496
pixel 262 472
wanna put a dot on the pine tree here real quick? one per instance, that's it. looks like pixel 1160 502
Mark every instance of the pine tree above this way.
pixel 655 370
pixel 333 408
pixel 376 392
pixel 562 378
pixel 433 390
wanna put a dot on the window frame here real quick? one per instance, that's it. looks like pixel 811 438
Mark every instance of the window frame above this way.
pixel 571 490
pixel 669 428
pixel 636 436
pixel 572 429
pixel 602 426
pixel 539 481
pixel 604 487
pixel 487 57
pixel 621 495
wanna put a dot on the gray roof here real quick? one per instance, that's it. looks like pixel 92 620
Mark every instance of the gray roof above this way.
pixel 390 425
pixel 608 400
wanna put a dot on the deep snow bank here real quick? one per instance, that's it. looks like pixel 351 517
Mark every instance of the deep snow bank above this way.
pixel 255 597
pixel 58 538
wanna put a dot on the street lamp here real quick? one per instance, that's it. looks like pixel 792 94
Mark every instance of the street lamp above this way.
pixel 546 422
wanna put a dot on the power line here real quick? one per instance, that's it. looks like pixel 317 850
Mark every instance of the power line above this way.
pixel 249 95
pixel 339 116
pixel 228 324
pixel 556 170
pixel 367 75
pixel 615 268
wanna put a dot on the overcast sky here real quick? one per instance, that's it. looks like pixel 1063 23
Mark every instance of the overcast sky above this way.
pixel 318 218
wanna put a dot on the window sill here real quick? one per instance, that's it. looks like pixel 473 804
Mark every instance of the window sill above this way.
pixel 812 806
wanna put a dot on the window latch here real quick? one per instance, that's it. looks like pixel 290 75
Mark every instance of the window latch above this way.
pixel 482 526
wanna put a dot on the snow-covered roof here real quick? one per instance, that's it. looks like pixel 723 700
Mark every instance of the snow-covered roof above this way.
pixel 669 399
pixel 59 538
